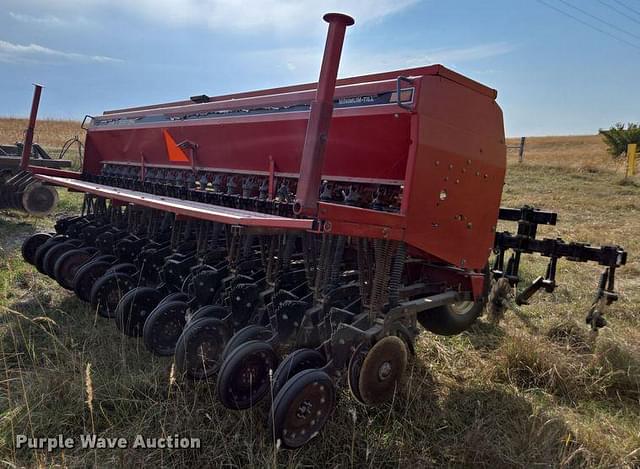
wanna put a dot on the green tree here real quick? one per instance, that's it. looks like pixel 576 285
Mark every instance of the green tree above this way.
pixel 618 137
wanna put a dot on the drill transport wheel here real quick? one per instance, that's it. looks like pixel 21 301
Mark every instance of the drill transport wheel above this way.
pixel 163 327
pixel 134 308
pixel 302 408
pixel 297 361
pixel 31 244
pixel 200 346
pixel 451 319
pixel 381 370
pixel 244 375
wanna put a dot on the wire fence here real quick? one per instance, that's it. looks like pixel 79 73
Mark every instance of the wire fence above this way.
pixel 519 147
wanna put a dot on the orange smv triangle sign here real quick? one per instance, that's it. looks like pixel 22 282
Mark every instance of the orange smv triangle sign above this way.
pixel 173 150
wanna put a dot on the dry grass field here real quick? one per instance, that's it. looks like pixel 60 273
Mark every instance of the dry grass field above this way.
pixel 577 151
pixel 535 390
pixel 49 133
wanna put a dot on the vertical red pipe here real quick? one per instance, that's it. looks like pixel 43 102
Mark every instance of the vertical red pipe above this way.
pixel 28 138
pixel 315 140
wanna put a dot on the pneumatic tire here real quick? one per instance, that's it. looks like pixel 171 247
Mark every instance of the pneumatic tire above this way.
pixel 451 319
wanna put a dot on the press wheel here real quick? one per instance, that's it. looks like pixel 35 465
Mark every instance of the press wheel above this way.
pixel 124 268
pixel 44 248
pixel 68 264
pixel 302 408
pixel 175 296
pixel 110 258
pixel 297 361
pixel 353 371
pixel 163 327
pixel 200 346
pixel 51 257
pixel 31 244
pixel 250 332
pixel 108 290
pixel 209 311
pixel 244 376
pixel 86 276
pixel 134 308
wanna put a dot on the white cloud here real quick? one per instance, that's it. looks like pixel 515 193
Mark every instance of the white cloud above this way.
pixel 252 15
pixel 359 62
pixel 10 52
pixel 50 20
pixel 44 20
pixel 465 54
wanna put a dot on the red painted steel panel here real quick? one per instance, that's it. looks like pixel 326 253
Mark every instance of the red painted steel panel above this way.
pixel 336 212
pixel 264 102
pixel 54 172
pixel 373 146
pixel 455 180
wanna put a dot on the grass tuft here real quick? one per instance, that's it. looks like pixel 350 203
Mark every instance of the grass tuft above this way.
pixel 569 333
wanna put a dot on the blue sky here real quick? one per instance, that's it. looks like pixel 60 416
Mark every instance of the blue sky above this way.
pixel 553 74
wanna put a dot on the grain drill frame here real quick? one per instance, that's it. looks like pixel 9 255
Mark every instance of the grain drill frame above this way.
pixel 291 239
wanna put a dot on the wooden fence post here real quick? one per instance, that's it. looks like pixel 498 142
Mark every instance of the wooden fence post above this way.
pixel 632 149
pixel 521 150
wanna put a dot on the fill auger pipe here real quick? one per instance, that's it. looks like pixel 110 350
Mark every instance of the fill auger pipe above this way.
pixel 28 138
pixel 320 117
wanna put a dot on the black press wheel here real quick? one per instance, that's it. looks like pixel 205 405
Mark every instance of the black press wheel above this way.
pixel 200 346
pixel 31 244
pixel 50 258
pixel 42 250
pixel 302 408
pixel 209 311
pixel 297 361
pixel 68 264
pixel 86 276
pixel 251 332
pixel 353 371
pixel 134 308
pixel 163 327
pixel 124 268
pixel 108 290
pixel 451 319
pixel 175 296
pixel 110 258
pixel 244 375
